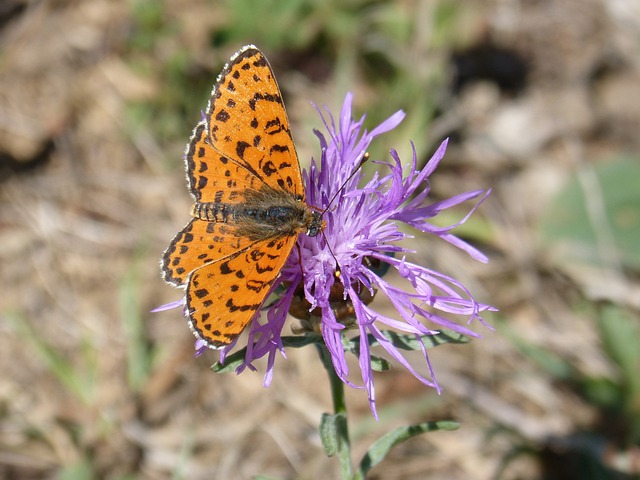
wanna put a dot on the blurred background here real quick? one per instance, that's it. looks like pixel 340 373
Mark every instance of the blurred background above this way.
pixel 541 102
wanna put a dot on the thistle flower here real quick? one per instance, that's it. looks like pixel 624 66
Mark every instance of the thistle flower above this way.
pixel 363 224
pixel 363 229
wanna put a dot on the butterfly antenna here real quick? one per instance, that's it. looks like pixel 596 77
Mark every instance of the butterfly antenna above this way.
pixel 363 160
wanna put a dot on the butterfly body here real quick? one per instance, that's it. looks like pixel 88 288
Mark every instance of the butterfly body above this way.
pixel 263 214
pixel 244 175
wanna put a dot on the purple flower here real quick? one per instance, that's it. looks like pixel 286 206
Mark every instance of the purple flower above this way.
pixel 362 229
pixel 363 224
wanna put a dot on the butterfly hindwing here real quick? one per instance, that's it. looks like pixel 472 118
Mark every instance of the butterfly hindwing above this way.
pixel 223 296
pixel 197 244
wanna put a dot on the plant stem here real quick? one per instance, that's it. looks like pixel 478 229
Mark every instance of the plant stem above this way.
pixel 340 413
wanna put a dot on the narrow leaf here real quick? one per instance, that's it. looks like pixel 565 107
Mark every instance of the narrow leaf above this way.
pixel 299 341
pixel 379 450
pixel 379 364
pixel 234 360
pixel 329 433
pixel 411 342
pixel 230 364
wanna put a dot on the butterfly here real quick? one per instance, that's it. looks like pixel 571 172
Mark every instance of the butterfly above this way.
pixel 249 202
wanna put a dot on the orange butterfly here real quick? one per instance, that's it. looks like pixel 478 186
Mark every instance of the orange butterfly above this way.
pixel 244 175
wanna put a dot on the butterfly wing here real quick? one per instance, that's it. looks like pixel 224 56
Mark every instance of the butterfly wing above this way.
pixel 242 145
pixel 213 177
pixel 248 124
pixel 197 244
pixel 223 296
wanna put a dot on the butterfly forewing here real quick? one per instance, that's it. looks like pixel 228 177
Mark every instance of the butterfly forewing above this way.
pixel 213 177
pixel 248 123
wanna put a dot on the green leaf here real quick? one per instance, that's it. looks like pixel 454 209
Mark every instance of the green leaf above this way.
pixel 329 433
pixel 299 341
pixel 379 364
pixel 230 364
pixel 379 450
pixel 410 342
pixel 234 360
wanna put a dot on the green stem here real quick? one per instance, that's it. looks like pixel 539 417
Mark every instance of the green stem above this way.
pixel 340 412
